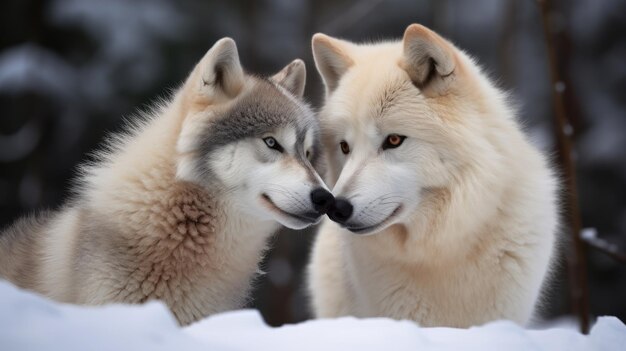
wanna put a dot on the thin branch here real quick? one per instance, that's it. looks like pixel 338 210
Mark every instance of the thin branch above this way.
pixel 590 237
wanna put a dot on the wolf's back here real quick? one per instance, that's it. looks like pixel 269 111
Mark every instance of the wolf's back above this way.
pixel 20 249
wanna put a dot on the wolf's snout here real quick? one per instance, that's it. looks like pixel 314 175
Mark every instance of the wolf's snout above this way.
pixel 322 199
pixel 340 210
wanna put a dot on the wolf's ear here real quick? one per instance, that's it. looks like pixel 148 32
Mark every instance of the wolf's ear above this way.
pixel 428 59
pixel 292 77
pixel 331 59
pixel 220 70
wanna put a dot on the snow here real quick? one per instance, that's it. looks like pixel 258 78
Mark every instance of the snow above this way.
pixel 30 322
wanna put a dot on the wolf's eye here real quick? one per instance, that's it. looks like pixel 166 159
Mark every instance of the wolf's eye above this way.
pixel 345 148
pixel 273 144
pixel 308 155
pixel 393 141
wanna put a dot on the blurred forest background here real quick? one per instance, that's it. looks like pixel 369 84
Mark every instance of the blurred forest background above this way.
pixel 70 70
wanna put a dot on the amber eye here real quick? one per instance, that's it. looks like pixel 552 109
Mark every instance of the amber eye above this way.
pixel 345 148
pixel 308 155
pixel 393 141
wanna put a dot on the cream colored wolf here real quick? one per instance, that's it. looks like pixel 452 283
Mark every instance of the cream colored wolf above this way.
pixel 180 209
pixel 445 214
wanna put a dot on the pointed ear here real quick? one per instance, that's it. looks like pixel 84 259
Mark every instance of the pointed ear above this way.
pixel 428 59
pixel 292 77
pixel 220 70
pixel 331 59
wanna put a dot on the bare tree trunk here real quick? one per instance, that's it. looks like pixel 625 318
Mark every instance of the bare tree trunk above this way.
pixel 564 130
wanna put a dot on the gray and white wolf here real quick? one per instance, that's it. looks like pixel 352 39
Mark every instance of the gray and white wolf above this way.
pixel 180 207
pixel 445 213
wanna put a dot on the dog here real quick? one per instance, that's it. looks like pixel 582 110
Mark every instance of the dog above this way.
pixel 180 208
pixel 444 212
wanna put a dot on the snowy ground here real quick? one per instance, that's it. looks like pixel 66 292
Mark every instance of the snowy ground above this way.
pixel 29 322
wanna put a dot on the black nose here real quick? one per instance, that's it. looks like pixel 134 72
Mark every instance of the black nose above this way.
pixel 321 199
pixel 340 210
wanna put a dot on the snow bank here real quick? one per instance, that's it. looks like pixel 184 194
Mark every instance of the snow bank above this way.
pixel 29 322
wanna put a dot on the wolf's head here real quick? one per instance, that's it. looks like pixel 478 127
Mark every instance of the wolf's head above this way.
pixel 253 139
pixel 402 120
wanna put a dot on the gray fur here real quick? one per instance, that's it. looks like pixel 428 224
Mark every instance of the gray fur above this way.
pixel 262 110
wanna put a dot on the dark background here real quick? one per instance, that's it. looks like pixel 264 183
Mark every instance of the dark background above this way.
pixel 70 70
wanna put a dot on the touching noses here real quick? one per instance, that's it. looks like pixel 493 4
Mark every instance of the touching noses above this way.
pixel 322 200
pixel 338 210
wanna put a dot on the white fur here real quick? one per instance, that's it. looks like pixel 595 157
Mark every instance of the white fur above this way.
pixel 474 234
